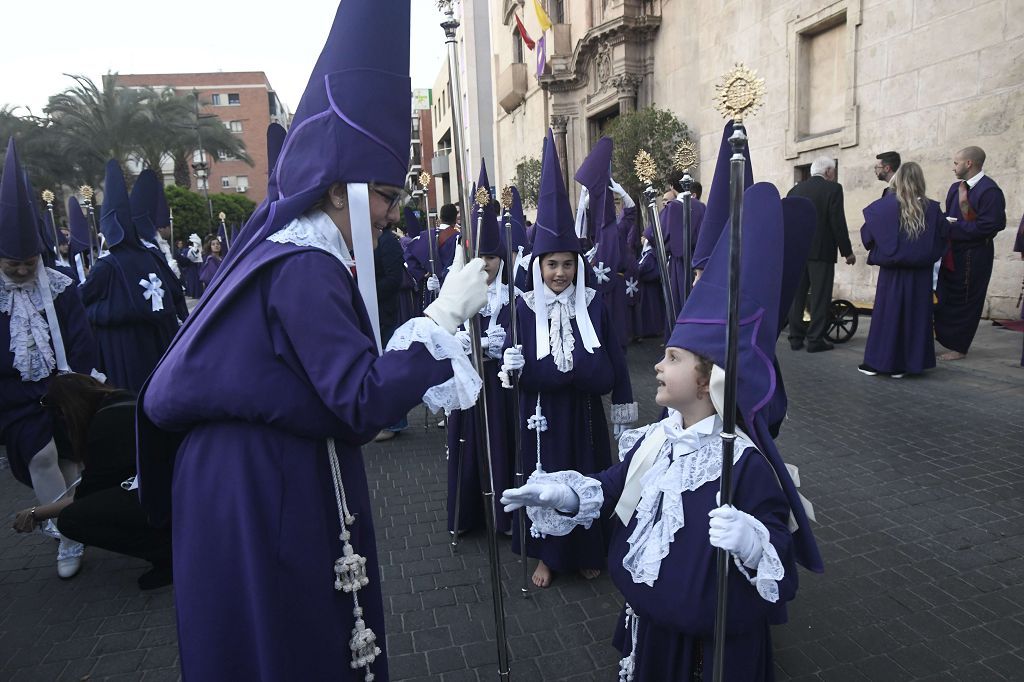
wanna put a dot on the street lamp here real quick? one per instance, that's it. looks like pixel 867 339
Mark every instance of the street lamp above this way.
pixel 201 168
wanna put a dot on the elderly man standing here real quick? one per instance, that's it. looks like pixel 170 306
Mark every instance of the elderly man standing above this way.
pixel 831 235
pixel 976 211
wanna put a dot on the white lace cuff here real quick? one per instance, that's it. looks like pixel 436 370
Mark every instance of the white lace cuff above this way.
pixel 461 391
pixel 769 567
pixel 550 522
pixel 626 413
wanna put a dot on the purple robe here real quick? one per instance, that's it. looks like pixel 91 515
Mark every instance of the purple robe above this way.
pixel 677 613
pixel 613 291
pixel 672 224
pixel 131 337
pixel 500 422
pixel 962 292
pixel 189 274
pixel 417 260
pixel 209 270
pixel 577 433
pixel 649 312
pixel 901 338
pixel 251 484
pixel 25 426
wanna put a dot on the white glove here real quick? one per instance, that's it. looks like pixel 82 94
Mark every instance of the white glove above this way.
pixel 734 531
pixel 556 496
pixel 513 359
pixel 462 336
pixel 493 342
pixel 433 284
pixel 584 198
pixel 627 201
pixel 463 294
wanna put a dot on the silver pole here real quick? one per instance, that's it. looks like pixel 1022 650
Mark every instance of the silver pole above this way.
pixel 659 248
pixel 687 184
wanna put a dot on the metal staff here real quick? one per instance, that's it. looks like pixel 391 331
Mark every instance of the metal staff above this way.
pixel 424 180
pixel 739 92
pixel 506 202
pixel 94 241
pixel 450 25
pixel 48 197
pixel 170 216
pixel 227 242
pixel 686 158
pixel 645 170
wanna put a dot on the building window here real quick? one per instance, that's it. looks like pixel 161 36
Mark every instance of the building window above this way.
pixel 226 182
pixel 224 156
pixel 234 126
pixel 215 100
pixel 518 56
pixel 822 78
pixel 233 99
pixel 556 11
pixel 242 183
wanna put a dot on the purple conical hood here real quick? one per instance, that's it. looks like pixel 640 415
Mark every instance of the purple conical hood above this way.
pixel 163 211
pixel 116 214
pixel 19 232
pixel 486 219
pixel 275 141
pixel 518 216
pixel 78 226
pixel 144 204
pixel 717 214
pixel 800 220
pixel 413 225
pixel 595 173
pixel 554 229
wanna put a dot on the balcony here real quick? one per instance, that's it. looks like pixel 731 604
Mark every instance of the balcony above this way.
pixel 512 86
pixel 439 164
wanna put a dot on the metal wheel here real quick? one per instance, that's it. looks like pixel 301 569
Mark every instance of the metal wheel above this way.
pixel 842 321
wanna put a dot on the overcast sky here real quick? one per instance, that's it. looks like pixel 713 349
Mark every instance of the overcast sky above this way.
pixel 42 41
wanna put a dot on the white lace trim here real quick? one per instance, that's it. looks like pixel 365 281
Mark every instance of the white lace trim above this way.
pixel 550 522
pixel 561 309
pixel 494 341
pixel 461 391
pixel 630 438
pixel 34 357
pixel 769 567
pixel 625 413
pixel 315 228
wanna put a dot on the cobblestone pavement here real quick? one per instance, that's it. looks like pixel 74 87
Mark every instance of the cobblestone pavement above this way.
pixel 918 486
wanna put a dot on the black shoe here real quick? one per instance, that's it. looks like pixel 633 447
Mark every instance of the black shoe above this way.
pixel 156 577
pixel 819 347
pixel 867 369
pixel 796 344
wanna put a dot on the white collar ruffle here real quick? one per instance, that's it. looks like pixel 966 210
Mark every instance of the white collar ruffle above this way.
pixel 560 310
pixel 34 356
pixel 315 228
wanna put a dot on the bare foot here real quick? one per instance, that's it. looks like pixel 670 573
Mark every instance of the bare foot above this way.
pixel 542 576
pixel 590 573
pixel 952 355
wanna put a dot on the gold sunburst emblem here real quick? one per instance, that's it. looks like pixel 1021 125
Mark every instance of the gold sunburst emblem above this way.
pixel 483 197
pixel 645 167
pixel 506 197
pixel 685 157
pixel 424 179
pixel 222 216
pixel 740 92
pixel 48 196
pixel 86 192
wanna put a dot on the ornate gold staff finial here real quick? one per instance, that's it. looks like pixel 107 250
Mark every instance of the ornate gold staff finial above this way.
pixel 506 197
pixel 645 166
pixel 483 197
pixel 739 92
pixel 685 157
pixel 48 196
pixel 222 215
pixel 424 179
pixel 86 192
pixel 444 5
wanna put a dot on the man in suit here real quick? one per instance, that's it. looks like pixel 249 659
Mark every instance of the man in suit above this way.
pixel 831 235
pixel 976 211
pixel 886 166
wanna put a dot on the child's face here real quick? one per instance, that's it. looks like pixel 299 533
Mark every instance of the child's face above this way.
pixel 558 270
pixel 680 384
pixel 491 265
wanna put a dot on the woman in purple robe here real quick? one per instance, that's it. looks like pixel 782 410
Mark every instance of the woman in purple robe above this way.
pixel 662 554
pixel 570 357
pixel 904 233
pixel 43 331
pixel 213 258
pixel 254 454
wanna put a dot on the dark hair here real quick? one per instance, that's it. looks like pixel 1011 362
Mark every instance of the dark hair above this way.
pixel 449 214
pixel 890 159
pixel 697 189
pixel 676 181
pixel 704 366
pixel 77 397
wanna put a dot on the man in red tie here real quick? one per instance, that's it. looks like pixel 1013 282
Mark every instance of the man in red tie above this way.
pixel 976 211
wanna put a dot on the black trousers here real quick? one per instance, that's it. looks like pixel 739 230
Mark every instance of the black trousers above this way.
pixel 113 519
pixel 817 282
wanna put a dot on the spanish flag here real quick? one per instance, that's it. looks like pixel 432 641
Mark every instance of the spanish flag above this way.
pixel 542 16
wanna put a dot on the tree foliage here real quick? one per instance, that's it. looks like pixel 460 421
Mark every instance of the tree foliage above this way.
pixel 528 181
pixel 656 130
pixel 191 213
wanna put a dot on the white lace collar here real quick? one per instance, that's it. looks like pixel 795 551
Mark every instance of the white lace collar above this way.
pixel 34 356
pixel 685 459
pixel 561 310
pixel 315 228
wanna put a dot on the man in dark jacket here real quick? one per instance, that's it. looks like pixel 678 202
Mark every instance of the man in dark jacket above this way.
pixel 831 235
pixel 389 266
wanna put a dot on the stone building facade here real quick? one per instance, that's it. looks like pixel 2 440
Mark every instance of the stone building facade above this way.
pixel 846 78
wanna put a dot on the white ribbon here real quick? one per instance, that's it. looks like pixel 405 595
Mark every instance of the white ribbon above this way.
pixel 52 322
pixel 153 291
pixel 632 287
pixel 362 249
pixel 581 212
pixel 601 272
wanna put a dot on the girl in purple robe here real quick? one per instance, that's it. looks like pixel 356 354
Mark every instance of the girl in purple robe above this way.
pixel 569 358
pixel 661 497
pixel 904 233
pixel 43 331
pixel 212 262
pixel 254 454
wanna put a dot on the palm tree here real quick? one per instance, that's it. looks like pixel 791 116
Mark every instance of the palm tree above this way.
pixel 46 166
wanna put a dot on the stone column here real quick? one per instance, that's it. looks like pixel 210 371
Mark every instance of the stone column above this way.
pixel 560 126
pixel 626 85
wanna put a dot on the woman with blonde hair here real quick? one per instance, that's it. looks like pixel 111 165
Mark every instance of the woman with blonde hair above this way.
pixel 905 234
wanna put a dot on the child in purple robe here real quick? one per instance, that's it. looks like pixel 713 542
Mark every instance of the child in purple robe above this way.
pixel 213 258
pixel 662 495
pixel 904 233
pixel 190 259
pixel 649 310
pixel 569 358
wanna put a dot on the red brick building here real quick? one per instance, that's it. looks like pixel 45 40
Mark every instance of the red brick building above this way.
pixel 246 103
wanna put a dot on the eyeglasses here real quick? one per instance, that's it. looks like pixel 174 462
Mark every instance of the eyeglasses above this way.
pixel 399 199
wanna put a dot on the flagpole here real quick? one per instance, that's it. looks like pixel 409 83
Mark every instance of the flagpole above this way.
pixel 646 170
pixel 483 444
